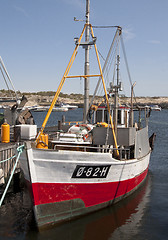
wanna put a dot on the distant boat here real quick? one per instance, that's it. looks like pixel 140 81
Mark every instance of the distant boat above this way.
pixel 60 109
pixel 39 109
pixel 64 105
pixel 155 108
pixel 45 108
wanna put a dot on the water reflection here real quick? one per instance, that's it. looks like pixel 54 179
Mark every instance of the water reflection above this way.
pixel 15 215
pixel 121 221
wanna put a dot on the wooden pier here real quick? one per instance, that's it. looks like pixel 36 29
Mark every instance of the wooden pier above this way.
pixel 7 151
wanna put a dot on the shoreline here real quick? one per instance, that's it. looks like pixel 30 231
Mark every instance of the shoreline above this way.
pixel 141 101
pixel 45 99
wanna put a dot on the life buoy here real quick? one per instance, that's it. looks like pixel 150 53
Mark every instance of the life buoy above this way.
pixel 85 137
pixel 84 125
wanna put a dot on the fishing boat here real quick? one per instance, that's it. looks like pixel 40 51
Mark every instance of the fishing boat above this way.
pixel 87 166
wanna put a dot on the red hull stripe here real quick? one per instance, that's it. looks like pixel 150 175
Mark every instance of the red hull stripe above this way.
pixel 90 193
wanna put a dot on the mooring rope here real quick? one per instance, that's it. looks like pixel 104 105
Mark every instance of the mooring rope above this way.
pixel 19 150
pixel 7 159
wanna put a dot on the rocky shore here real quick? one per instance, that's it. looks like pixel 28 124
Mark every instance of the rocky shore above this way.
pixel 78 100
pixel 45 99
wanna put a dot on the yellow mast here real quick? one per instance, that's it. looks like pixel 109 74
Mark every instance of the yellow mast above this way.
pixel 85 76
pixel 60 85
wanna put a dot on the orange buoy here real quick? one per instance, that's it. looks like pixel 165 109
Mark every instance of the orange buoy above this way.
pixel 5 132
pixel 42 142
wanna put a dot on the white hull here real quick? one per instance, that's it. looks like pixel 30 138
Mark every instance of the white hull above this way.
pixel 88 181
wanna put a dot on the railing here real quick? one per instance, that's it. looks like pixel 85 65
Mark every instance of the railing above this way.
pixel 7 161
pixel 13 168
pixel 124 153
pixel 72 122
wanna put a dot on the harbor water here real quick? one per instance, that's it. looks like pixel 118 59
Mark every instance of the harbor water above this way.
pixel 142 216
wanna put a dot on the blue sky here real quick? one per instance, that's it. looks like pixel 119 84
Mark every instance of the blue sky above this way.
pixel 37 41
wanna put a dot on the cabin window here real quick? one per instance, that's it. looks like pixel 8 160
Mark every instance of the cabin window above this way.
pixel 99 116
pixel 106 116
pixel 119 117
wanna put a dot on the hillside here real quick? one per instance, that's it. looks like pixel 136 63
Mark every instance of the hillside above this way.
pixel 40 99
pixel 45 98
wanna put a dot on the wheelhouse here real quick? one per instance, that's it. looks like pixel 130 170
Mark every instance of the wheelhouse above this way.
pixel 102 115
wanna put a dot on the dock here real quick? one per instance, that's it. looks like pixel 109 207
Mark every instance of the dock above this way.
pixel 7 162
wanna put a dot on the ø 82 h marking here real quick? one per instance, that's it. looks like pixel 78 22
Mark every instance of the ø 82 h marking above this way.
pixel 99 171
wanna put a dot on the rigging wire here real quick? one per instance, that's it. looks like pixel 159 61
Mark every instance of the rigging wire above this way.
pixel 109 64
pixel 6 83
pixel 111 57
pixel 111 47
pixel 108 67
pixel 101 55
pixel 126 62
pixel 7 75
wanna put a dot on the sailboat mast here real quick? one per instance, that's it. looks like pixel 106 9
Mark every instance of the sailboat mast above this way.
pixel 86 71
